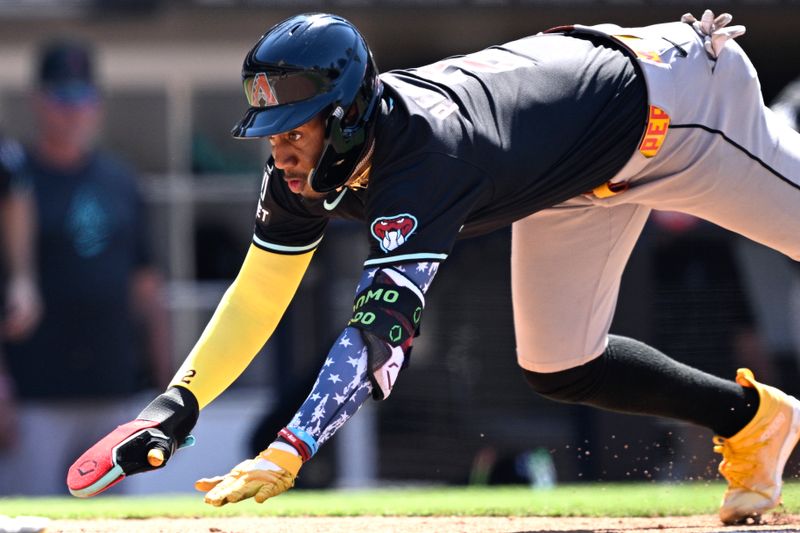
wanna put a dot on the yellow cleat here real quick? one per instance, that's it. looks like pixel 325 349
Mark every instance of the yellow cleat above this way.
pixel 753 459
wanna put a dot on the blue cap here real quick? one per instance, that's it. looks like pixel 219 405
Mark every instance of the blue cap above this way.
pixel 66 72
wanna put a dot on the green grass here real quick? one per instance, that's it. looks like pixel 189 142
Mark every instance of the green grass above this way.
pixel 622 499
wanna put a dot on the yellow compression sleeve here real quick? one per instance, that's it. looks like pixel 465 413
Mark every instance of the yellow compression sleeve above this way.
pixel 245 318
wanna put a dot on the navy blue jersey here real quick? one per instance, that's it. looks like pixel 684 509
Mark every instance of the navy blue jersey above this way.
pixel 90 242
pixel 472 143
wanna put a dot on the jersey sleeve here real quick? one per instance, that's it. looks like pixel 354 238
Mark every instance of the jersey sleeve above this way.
pixel 418 207
pixel 244 320
pixel 283 223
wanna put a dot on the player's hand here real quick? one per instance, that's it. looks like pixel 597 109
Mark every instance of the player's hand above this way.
pixel 23 308
pixel 714 30
pixel 272 472
pixel 141 445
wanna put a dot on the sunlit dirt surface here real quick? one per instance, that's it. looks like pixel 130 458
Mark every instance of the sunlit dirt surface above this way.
pixel 681 524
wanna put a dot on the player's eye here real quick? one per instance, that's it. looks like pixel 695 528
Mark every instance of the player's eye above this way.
pixel 294 136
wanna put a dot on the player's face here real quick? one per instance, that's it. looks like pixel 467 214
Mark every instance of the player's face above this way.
pixel 73 125
pixel 297 152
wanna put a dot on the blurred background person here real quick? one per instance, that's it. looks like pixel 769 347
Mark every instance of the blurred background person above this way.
pixel 21 306
pixel 85 359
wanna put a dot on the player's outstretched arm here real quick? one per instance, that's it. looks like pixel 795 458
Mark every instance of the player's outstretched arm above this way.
pixel 245 318
pixel 242 323
pixel 365 360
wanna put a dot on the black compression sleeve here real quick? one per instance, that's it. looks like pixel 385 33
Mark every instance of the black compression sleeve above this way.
pixel 632 377
pixel 176 411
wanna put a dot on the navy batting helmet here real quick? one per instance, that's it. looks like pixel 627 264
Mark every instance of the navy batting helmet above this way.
pixel 306 65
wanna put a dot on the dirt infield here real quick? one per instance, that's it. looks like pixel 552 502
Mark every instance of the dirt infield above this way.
pixel 461 524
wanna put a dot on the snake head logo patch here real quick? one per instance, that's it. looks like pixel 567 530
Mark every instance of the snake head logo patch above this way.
pixel 393 231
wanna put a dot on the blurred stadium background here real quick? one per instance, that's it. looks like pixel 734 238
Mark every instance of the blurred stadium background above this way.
pixel 462 412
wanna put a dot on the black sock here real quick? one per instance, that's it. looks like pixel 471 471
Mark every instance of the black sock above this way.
pixel 632 377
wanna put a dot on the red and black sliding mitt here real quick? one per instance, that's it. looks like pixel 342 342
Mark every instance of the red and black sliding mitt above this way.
pixel 141 445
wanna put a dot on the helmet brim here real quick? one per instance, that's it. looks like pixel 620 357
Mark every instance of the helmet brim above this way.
pixel 265 121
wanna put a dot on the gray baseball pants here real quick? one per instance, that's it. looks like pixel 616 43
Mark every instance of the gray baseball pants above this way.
pixel 725 158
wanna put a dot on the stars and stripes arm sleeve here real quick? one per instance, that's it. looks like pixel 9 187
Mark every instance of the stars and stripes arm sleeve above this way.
pixel 343 384
pixel 244 319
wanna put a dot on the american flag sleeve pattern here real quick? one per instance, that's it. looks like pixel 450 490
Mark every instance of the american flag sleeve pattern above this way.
pixel 343 386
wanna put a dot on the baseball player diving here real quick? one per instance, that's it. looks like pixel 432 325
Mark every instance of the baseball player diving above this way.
pixel 571 136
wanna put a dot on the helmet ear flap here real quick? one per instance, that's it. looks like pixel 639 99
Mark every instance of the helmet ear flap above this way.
pixel 333 126
pixel 341 134
pixel 331 171
pixel 351 115
pixel 345 141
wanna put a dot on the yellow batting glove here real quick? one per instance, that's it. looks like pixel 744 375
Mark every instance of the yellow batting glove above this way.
pixel 272 472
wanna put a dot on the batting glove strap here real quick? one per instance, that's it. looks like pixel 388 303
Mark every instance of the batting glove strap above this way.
pixel 288 461
pixel 176 412
pixel 271 473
